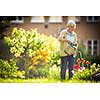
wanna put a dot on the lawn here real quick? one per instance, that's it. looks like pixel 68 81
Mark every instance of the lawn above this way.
pixel 45 80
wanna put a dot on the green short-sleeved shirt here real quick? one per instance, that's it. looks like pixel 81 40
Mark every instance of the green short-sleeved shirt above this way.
pixel 64 46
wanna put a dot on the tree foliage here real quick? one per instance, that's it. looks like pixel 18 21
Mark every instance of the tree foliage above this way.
pixel 32 49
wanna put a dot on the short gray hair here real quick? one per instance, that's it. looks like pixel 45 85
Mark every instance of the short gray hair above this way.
pixel 71 22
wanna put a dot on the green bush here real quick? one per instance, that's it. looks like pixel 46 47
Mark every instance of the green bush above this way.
pixel 39 71
pixel 45 71
pixel 54 72
pixel 94 59
pixel 82 50
pixel 10 70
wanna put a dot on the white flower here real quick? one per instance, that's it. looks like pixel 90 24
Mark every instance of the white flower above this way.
pixel 83 68
pixel 80 70
pixel 73 72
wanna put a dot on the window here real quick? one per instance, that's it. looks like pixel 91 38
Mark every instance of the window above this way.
pixel 37 19
pixel 93 47
pixel 17 19
pixel 92 18
pixel 55 19
pixel 75 18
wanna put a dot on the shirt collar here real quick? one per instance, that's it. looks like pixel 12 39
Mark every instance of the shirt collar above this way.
pixel 71 34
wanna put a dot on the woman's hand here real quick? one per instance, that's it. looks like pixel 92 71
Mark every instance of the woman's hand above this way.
pixel 68 41
pixel 74 55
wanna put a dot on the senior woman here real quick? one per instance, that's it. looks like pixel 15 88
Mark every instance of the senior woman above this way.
pixel 68 47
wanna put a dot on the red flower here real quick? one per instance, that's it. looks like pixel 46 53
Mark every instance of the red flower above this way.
pixel 78 60
pixel 76 66
pixel 83 60
pixel 87 62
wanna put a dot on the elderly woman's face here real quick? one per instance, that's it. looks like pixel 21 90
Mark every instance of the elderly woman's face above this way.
pixel 71 28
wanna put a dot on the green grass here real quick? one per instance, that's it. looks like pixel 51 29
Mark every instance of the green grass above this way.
pixel 27 81
pixel 45 80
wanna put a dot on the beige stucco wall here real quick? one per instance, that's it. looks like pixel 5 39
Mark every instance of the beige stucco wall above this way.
pixel 85 30
pixel 53 28
pixel 88 30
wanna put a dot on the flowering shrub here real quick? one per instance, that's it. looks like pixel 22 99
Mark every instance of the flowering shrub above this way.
pixel 76 67
pixel 87 63
pixel 29 48
pixel 80 64
pixel 87 73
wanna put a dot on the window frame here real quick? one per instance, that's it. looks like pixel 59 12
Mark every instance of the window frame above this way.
pixel 93 19
pixel 36 20
pixel 55 21
pixel 77 20
pixel 17 20
pixel 92 46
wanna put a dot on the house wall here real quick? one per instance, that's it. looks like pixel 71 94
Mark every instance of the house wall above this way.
pixel 85 30
pixel 88 30
pixel 53 28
